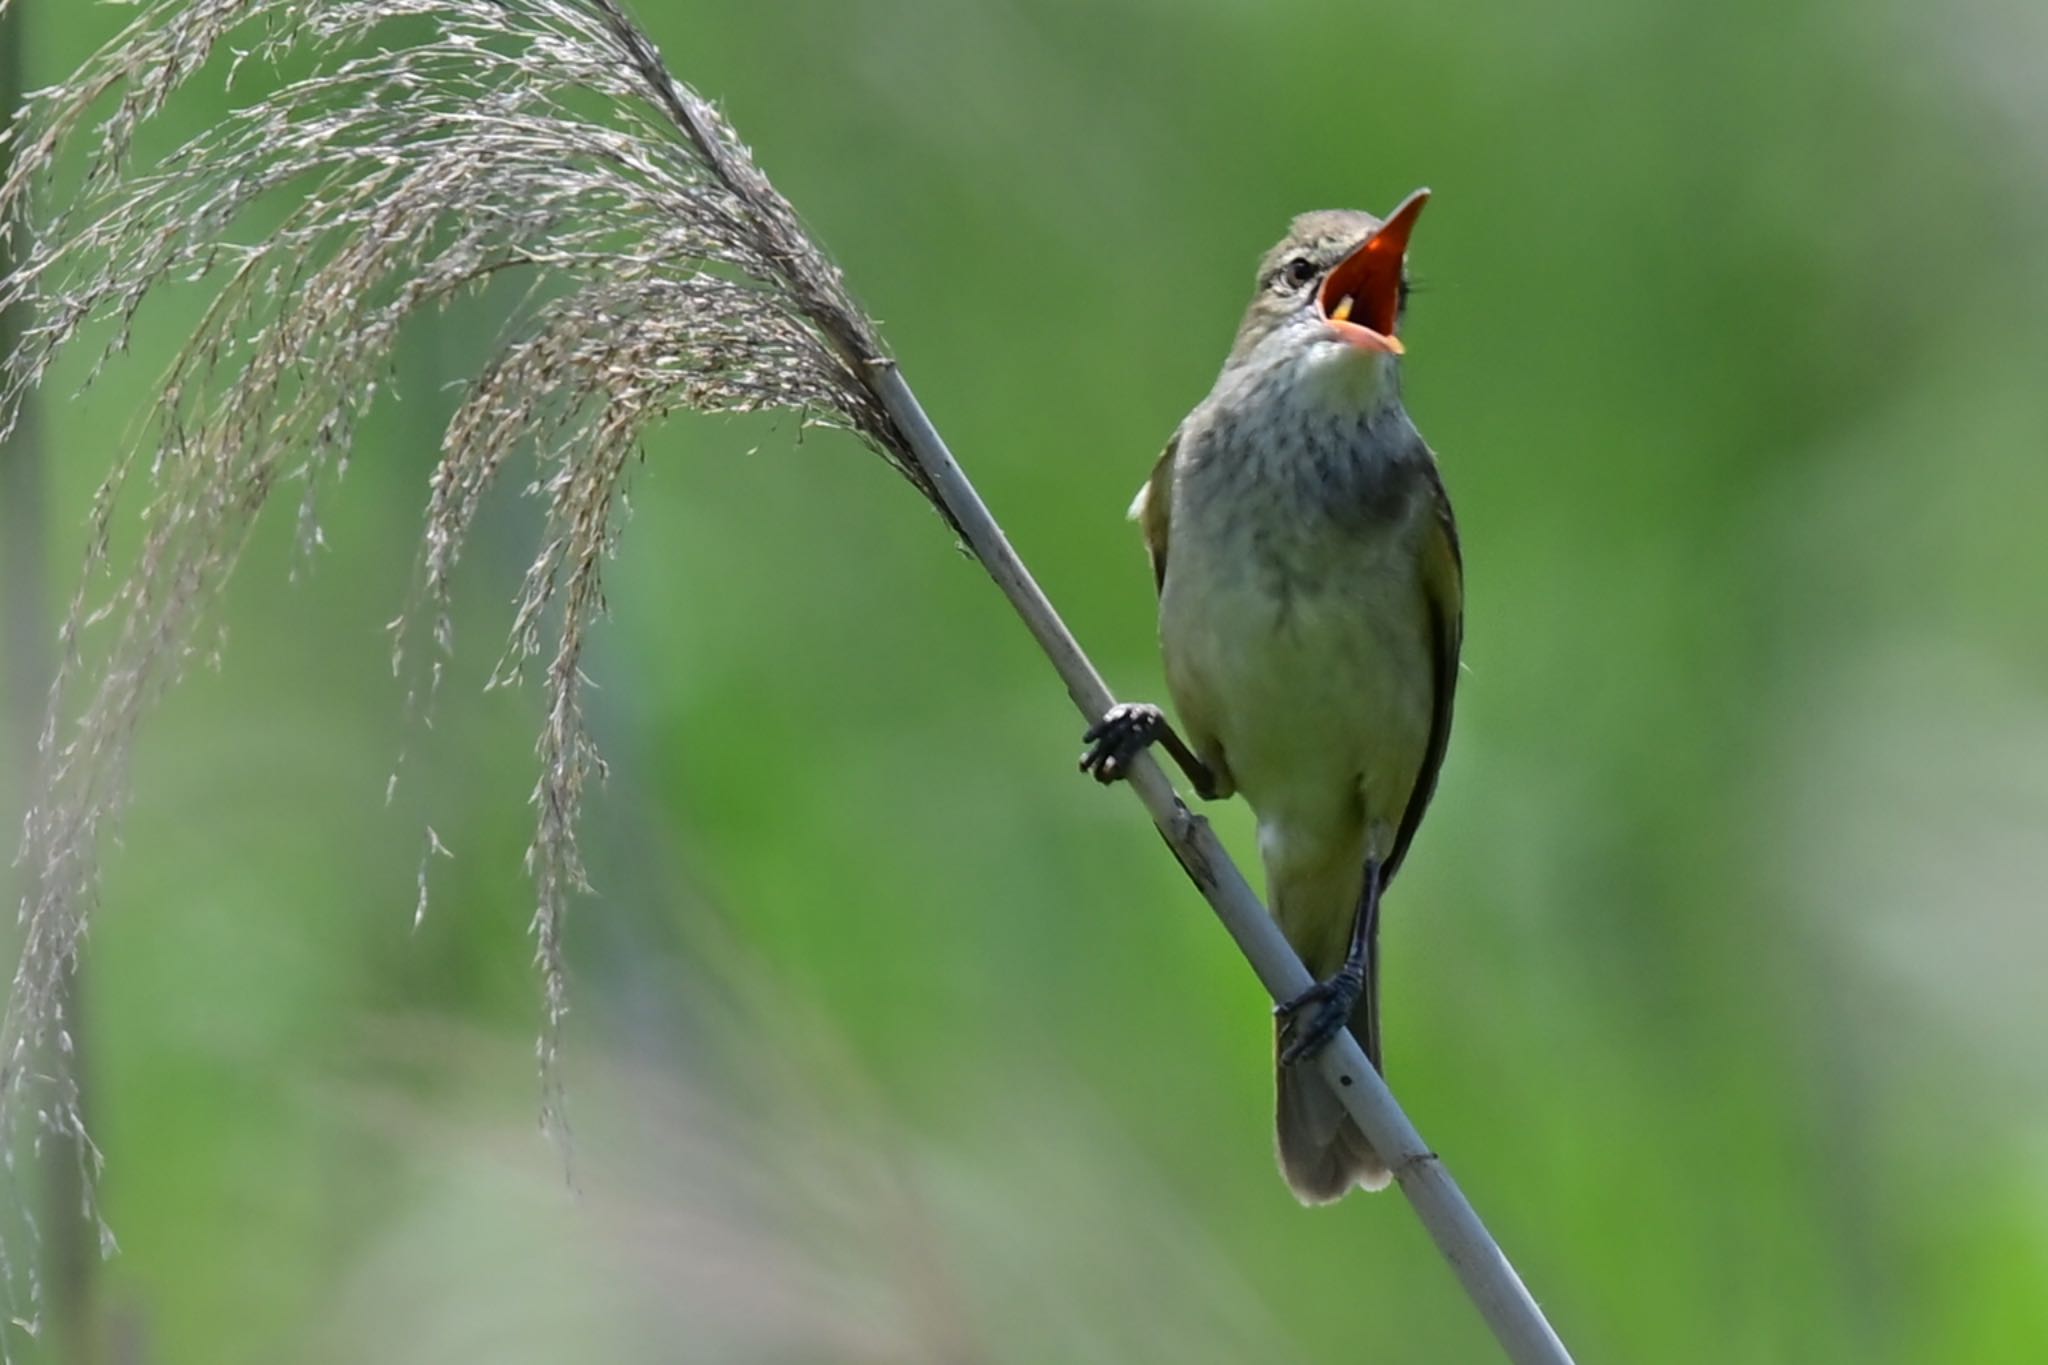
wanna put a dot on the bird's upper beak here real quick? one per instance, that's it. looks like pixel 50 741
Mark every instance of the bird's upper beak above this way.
pixel 1361 299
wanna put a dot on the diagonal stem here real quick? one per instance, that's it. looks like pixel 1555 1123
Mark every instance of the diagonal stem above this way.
pixel 1518 1324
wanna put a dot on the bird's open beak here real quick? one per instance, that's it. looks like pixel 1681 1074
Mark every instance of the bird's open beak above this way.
pixel 1361 298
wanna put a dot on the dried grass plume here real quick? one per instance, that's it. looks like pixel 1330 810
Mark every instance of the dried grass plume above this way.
pixel 538 140
pixel 436 145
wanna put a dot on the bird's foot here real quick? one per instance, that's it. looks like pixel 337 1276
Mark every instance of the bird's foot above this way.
pixel 1306 1033
pixel 1119 737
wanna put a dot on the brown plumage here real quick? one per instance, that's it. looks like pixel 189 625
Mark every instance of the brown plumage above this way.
pixel 1311 605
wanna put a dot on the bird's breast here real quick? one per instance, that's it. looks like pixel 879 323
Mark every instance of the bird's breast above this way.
pixel 1292 621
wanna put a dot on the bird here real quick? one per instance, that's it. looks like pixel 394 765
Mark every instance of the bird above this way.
pixel 1311 607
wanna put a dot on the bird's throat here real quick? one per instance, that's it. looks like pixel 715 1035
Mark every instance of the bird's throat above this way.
pixel 1346 380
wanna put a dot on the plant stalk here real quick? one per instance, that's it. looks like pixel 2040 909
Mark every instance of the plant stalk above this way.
pixel 1525 1335
pixel 26 634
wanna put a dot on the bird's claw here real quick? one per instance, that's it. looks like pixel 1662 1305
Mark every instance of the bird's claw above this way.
pixel 1306 1035
pixel 1119 737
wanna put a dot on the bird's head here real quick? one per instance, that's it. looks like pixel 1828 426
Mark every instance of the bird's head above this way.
pixel 1331 296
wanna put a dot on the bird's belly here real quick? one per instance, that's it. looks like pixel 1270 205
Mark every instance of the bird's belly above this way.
pixel 1318 692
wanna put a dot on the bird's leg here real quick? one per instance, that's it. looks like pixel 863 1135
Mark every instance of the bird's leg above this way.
pixel 1334 999
pixel 1126 731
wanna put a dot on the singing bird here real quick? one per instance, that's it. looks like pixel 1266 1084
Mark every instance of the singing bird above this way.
pixel 1311 600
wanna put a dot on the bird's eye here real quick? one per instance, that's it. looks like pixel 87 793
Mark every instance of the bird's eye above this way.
pixel 1300 270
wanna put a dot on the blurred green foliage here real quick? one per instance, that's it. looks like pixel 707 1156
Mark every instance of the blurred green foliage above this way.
pixel 1715 974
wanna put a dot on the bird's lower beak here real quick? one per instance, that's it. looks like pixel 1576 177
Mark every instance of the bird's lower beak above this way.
pixel 1361 298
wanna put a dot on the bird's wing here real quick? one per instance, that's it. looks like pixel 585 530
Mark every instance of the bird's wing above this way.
pixel 1153 508
pixel 1443 592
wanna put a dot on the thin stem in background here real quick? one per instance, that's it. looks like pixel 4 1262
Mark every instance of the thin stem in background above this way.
pixel 69 1258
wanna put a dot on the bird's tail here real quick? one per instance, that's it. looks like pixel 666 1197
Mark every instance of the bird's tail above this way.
pixel 1323 1152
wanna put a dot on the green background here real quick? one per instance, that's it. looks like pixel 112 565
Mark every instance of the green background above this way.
pixel 1716 975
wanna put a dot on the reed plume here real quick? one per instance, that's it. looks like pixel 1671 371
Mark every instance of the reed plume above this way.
pixel 435 147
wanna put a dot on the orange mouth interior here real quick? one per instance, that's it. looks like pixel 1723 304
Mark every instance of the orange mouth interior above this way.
pixel 1364 291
